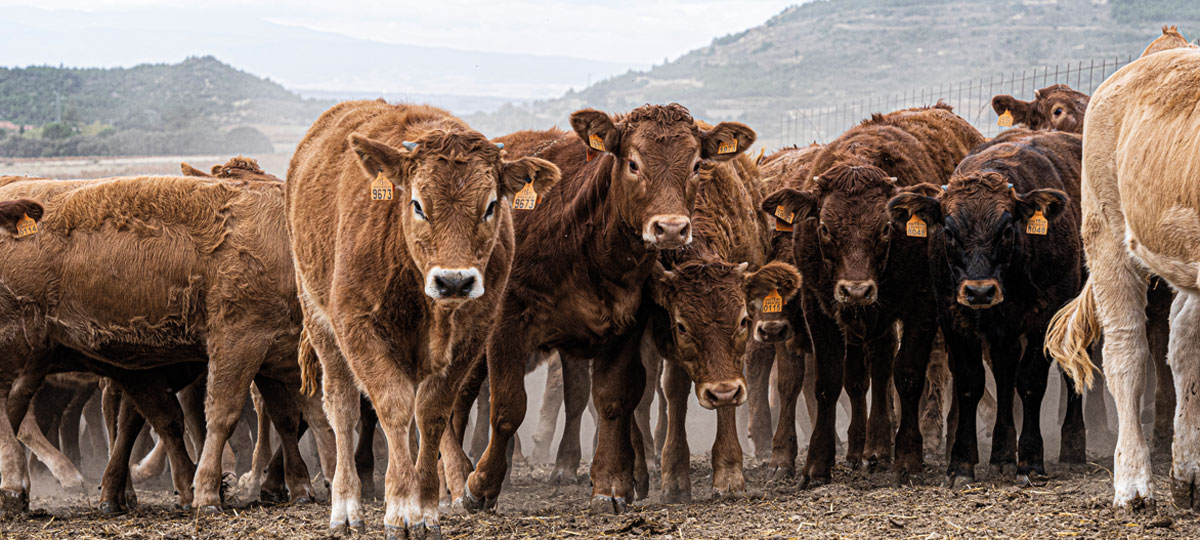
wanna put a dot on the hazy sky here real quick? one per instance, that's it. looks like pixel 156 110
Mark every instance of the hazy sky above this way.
pixel 638 32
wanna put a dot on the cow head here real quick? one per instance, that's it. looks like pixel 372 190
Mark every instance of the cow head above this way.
pixel 657 150
pixel 238 168
pixel 1057 107
pixel 454 188
pixel 844 213
pixel 769 319
pixel 983 223
pixel 13 211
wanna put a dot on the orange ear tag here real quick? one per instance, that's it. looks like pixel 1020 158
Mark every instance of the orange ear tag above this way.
pixel 596 142
pixel 26 226
pixel 783 226
pixel 527 198
pixel 916 227
pixel 773 303
pixel 1037 224
pixel 783 214
pixel 727 147
pixel 381 188
pixel 1005 120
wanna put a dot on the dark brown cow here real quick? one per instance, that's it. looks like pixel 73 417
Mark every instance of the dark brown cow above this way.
pixel 862 274
pixel 400 221
pixel 1056 107
pixel 182 240
pixel 702 328
pixel 1005 254
pixel 577 283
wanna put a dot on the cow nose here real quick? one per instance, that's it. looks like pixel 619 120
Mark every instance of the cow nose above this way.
pixel 980 295
pixel 772 331
pixel 453 283
pixel 669 232
pixel 856 292
pixel 722 394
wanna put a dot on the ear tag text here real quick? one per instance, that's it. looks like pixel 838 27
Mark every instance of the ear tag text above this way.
pixel 1005 120
pixel 596 142
pixel 381 188
pixel 527 198
pixel 916 227
pixel 727 147
pixel 1037 224
pixel 773 303
pixel 26 226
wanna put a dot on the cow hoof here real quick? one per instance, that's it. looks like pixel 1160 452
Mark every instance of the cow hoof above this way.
pixel 729 495
pixel 187 507
pixel 853 464
pixel 603 504
pixel 901 479
pixel 110 509
pixel 303 500
pixel 808 482
pixel 268 496
pixel 472 504
pixel 421 531
pixel 959 480
pixel 563 477
pixel 677 496
pixel 780 474
pixel 1186 493
pixel 210 509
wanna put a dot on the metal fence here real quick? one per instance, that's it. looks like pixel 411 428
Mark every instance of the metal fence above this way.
pixel 971 99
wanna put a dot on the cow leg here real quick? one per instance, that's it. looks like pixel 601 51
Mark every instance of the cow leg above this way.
pixel 116 474
pixel 110 407
pixel 1074 431
pixel 933 399
pixel 191 398
pixel 68 430
pixel 274 488
pixel 483 412
pixel 250 484
pixel 856 382
pixel 912 365
pixel 153 464
pixel 456 466
pixel 966 364
pixel 340 398
pixel 285 416
pixel 240 442
pixel 1185 364
pixel 880 357
pixel 1158 330
pixel 829 348
pixel 789 379
pixel 364 453
pixel 1006 360
pixel 318 425
pixel 759 359
pixel 1032 373
pixel 660 422
pixel 617 384
pixel 676 470
pixel 393 396
pixel 61 468
pixel 161 410
pixel 652 363
pixel 641 472
pixel 96 439
pixel 728 478
pixel 552 399
pixel 577 388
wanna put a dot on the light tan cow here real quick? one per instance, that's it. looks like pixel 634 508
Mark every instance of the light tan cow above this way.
pixel 1141 215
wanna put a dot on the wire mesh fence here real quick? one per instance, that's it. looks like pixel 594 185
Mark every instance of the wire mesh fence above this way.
pixel 971 99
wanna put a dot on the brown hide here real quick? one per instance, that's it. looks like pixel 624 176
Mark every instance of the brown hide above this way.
pixel 1170 39
pixel 1057 107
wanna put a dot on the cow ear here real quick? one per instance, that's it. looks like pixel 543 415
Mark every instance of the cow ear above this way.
pixel 775 275
pixel 799 205
pixel 662 283
pixel 189 170
pixel 916 200
pixel 13 211
pixel 515 174
pixel 597 130
pixel 726 141
pixel 1021 110
pixel 1051 202
pixel 379 157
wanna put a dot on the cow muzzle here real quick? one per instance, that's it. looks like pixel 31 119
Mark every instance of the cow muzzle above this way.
pixel 772 331
pixel 980 293
pixel 668 231
pixel 729 393
pixel 453 283
pixel 856 293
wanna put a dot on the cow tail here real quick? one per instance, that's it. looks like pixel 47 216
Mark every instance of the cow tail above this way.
pixel 1071 331
pixel 309 368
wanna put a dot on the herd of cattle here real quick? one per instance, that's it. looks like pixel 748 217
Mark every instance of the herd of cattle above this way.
pixel 411 259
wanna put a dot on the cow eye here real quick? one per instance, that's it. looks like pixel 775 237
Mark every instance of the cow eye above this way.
pixel 418 211
pixel 491 210
pixel 681 329
pixel 633 167
pixel 1058 111
pixel 696 168
pixel 823 231
pixel 745 322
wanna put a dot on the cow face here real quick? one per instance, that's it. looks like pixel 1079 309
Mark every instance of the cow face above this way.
pixel 12 212
pixel 844 213
pixel 983 222
pixel 768 291
pixel 1055 107
pixel 657 152
pixel 453 187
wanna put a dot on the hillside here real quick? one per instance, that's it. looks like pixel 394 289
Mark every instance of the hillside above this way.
pixel 828 52
pixel 199 105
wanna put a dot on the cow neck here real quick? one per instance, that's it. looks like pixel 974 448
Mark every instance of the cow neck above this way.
pixel 620 246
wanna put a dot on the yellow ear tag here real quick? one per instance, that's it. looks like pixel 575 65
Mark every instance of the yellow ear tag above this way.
pixel 1005 120
pixel 596 142
pixel 773 303
pixel 783 226
pixel 727 147
pixel 783 214
pixel 26 226
pixel 381 188
pixel 527 198
pixel 1037 224
pixel 916 227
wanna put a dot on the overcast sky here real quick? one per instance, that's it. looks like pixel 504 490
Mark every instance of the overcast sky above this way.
pixel 637 32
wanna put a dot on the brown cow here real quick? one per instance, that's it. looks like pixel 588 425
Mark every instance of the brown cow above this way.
pixel 862 274
pixel 999 278
pixel 701 330
pixel 400 220
pixel 1170 39
pixel 182 240
pixel 580 269
pixel 1054 107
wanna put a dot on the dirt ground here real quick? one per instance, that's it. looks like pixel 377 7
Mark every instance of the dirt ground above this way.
pixel 1073 502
